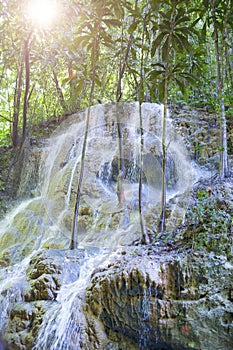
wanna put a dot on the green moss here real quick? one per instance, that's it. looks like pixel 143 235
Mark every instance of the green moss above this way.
pixel 56 244
pixel 9 238
pixel 85 210
pixel 26 224
pixel 4 258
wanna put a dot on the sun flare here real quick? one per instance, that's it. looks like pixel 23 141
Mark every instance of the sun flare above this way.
pixel 43 12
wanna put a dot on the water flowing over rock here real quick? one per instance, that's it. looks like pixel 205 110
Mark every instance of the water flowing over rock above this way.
pixel 108 294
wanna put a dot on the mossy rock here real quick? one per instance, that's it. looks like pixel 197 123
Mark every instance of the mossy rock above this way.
pixel 25 320
pixel 9 238
pixel 43 263
pixel 85 210
pixel 44 287
pixel 50 244
pixel 5 258
pixel 23 230
pixel 25 223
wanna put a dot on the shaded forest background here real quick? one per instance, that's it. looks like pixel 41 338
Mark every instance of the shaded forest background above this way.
pixel 47 72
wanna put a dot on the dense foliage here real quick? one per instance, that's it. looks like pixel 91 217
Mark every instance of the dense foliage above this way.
pixel 48 71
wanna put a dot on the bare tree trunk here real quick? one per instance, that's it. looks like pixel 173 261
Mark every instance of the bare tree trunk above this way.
pixel 161 225
pixel 17 99
pixel 72 84
pixel 59 92
pixel 73 242
pixel 162 219
pixel 221 99
pixel 27 86
pixel 145 238
pixel 74 234
pixel 121 162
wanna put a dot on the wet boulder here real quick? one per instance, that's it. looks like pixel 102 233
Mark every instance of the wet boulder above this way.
pixel 47 271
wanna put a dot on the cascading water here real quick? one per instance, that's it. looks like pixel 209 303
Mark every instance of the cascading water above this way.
pixel 45 222
pixel 64 324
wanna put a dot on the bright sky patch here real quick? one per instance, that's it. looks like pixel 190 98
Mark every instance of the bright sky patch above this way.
pixel 43 12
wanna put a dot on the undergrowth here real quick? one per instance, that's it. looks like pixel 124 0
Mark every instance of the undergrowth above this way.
pixel 209 224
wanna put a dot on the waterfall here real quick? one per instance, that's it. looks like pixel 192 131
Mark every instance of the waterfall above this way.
pixel 44 222
pixel 64 326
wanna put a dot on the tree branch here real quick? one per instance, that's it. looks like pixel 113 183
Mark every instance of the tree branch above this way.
pixel 5 118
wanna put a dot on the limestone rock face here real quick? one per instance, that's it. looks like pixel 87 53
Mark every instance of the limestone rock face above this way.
pixel 141 298
pixel 165 301
pixel 24 324
pixel 47 271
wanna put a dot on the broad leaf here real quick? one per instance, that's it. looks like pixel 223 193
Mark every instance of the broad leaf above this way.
pixel 156 43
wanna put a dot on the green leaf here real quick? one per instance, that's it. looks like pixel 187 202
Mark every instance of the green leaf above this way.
pixel 165 50
pixel 157 42
pixel 194 23
pixel 79 87
pixel 181 19
pixel 150 86
pixel 98 82
pixel 181 85
pixel 133 71
pixel 159 64
pixel 133 27
pixel 203 31
pixel 118 9
pixel 166 15
pixel 65 80
pixel 112 22
pixel 182 43
pixel 107 40
pixel 83 40
pixel 161 87
pixel 87 44
pixel 155 74
pixel 134 54
pixel 155 4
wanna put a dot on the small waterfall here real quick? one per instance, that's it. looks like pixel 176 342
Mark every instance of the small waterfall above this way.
pixel 45 222
pixel 65 325
pixel 146 310
pixel 11 284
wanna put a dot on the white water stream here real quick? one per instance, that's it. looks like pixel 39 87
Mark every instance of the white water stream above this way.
pixel 64 324
pixel 45 221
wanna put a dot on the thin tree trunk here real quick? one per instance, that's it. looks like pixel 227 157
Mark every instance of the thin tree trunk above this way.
pixel 145 238
pixel 59 92
pixel 72 84
pixel 73 242
pixel 221 99
pixel 74 234
pixel 27 86
pixel 121 162
pixel 17 99
pixel 161 225
pixel 225 173
pixel 162 219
